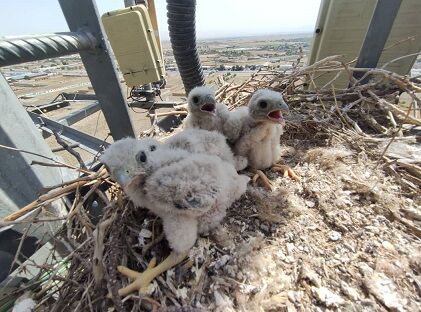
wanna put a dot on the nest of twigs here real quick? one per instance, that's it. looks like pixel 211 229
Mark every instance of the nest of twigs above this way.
pixel 345 237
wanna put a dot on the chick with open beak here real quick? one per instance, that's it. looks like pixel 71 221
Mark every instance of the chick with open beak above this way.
pixel 267 105
pixel 256 132
pixel 204 112
pixel 208 104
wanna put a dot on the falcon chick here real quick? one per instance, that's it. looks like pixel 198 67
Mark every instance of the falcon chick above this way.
pixel 206 142
pixel 204 112
pixel 256 129
pixel 189 191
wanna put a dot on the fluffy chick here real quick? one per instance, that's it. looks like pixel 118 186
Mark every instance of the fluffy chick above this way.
pixel 189 191
pixel 206 142
pixel 260 128
pixel 204 112
pixel 255 130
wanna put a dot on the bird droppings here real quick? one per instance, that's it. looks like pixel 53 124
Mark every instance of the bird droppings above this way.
pixel 334 236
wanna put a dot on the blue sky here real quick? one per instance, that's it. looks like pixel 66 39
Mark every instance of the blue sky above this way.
pixel 215 18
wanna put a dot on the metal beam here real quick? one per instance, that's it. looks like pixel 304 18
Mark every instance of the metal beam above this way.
pixel 128 3
pixel 23 49
pixel 100 66
pixel 39 109
pixel 377 34
pixel 78 97
pixel 73 136
pixel 80 114
pixel 150 104
pixel 20 183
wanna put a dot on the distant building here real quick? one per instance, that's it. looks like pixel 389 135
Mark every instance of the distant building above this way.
pixel 11 77
pixel 285 66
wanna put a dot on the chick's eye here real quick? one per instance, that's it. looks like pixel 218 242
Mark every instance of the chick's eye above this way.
pixel 141 157
pixel 263 104
pixel 195 99
pixel 152 148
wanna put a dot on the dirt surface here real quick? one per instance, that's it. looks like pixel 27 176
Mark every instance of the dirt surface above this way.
pixel 328 242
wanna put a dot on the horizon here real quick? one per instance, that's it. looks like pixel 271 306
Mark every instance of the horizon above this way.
pixel 240 18
pixel 166 40
pixel 293 34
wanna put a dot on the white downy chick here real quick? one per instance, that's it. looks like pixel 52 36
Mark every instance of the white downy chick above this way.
pixel 256 129
pixel 204 112
pixel 189 191
pixel 206 142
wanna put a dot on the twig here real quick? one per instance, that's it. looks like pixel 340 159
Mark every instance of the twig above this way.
pixel 54 194
pixel 98 266
pixel 59 149
pixel 68 148
pixel 393 136
pixel 171 113
pixel 394 109
pixel 22 239
pixel 32 220
pixel 36 154
pixel 40 163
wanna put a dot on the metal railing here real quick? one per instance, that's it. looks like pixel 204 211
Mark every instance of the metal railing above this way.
pixel 23 49
pixel 86 37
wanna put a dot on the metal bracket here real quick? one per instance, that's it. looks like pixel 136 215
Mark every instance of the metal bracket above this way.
pixel 377 34
pixel 73 136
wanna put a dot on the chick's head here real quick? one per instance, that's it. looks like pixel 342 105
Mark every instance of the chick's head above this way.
pixel 201 100
pixel 129 157
pixel 268 106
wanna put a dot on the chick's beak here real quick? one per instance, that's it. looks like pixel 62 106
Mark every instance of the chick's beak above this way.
pixel 137 181
pixel 276 116
pixel 122 178
pixel 208 108
pixel 284 108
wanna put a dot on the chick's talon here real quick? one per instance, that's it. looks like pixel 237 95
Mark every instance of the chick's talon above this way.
pixel 141 280
pixel 265 180
pixel 286 171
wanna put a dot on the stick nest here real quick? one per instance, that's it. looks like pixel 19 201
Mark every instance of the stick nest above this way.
pixel 346 237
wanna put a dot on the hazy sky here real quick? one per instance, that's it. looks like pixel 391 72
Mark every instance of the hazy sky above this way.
pixel 214 18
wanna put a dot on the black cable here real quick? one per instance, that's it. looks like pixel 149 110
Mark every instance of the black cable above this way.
pixel 182 31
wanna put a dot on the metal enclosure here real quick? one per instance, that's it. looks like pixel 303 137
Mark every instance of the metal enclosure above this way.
pixel 132 38
pixel 342 28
